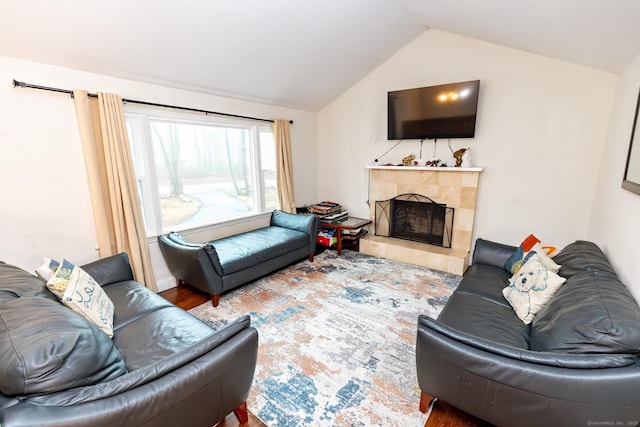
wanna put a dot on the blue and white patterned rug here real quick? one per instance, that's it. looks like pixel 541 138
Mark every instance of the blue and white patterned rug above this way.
pixel 337 339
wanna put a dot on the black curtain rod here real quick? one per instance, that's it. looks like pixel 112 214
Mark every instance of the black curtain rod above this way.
pixel 133 101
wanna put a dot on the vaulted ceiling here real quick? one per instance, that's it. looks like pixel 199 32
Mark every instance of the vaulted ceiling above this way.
pixel 297 53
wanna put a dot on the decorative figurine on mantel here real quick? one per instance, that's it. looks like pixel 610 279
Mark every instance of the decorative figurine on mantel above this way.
pixel 458 156
pixel 407 161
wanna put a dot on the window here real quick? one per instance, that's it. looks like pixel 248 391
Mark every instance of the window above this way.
pixel 196 170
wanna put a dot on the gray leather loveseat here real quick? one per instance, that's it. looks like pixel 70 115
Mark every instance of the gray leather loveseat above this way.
pixel 163 366
pixel 224 264
pixel 576 364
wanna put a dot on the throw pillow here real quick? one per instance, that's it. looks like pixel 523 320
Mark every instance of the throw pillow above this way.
pixel 58 282
pixel 528 242
pixel 82 294
pixel 515 261
pixel 531 288
pixel 47 269
pixel 545 258
pixel 531 242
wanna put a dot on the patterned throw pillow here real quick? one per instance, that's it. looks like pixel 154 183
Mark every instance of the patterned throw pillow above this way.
pixel 58 282
pixel 531 288
pixel 47 269
pixel 515 261
pixel 531 243
pixel 82 294
pixel 545 258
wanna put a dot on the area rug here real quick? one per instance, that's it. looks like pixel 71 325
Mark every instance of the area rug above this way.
pixel 337 339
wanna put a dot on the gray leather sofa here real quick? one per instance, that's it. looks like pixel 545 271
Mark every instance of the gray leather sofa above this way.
pixel 163 366
pixel 221 265
pixel 576 364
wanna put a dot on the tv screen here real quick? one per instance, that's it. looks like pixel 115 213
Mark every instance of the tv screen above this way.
pixel 443 111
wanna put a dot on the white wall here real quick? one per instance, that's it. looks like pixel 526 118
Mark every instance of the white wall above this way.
pixel 46 210
pixel 615 223
pixel 540 134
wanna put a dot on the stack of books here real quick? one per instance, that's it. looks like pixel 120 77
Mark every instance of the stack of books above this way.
pixel 328 212
pixel 352 232
pixel 327 236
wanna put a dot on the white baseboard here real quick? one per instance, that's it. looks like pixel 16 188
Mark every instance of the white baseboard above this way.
pixel 166 283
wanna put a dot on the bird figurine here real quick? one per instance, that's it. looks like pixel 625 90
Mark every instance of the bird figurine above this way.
pixel 458 156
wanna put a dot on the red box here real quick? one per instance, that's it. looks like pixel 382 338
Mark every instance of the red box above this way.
pixel 327 241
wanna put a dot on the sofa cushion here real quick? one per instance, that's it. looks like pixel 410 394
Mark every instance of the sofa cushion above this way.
pixel 131 301
pixel 591 313
pixel 485 319
pixel 63 352
pixel 112 269
pixel 16 283
pixel 578 361
pixel 485 281
pixel 173 331
pixel 582 257
pixel 245 250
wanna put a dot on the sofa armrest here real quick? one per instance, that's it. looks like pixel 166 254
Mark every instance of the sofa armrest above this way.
pixel 184 258
pixel 491 253
pixel 198 386
pixel 301 222
pixel 308 224
pixel 112 269
pixel 576 361
pixel 150 373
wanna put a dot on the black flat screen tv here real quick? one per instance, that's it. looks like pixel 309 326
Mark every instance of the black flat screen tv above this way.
pixel 432 112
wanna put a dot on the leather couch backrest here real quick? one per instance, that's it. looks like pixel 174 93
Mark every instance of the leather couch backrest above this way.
pixel 593 312
pixel 582 257
pixel 491 253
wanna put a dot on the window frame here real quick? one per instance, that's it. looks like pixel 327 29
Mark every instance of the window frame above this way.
pixel 147 184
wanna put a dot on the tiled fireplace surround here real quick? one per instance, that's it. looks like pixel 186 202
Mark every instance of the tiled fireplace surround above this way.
pixel 456 187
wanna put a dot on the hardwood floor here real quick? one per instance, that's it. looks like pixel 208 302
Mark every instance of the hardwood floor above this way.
pixel 232 421
pixel 442 415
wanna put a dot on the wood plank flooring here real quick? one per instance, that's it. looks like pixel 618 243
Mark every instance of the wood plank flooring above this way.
pixel 443 415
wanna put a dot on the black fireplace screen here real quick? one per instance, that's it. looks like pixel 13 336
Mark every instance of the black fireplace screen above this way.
pixel 415 217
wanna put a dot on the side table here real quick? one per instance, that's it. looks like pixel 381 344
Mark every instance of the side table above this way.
pixel 351 223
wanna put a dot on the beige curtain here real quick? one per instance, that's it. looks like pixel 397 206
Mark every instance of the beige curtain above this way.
pixel 284 164
pixel 112 182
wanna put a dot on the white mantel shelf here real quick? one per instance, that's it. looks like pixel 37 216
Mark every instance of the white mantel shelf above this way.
pixel 426 168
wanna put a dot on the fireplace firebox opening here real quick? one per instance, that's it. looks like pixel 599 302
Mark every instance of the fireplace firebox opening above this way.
pixel 415 217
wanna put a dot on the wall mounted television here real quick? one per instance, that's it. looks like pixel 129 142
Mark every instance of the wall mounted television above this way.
pixel 432 112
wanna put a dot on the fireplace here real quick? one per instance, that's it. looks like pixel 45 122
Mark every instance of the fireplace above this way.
pixel 455 188
pixel 416 218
